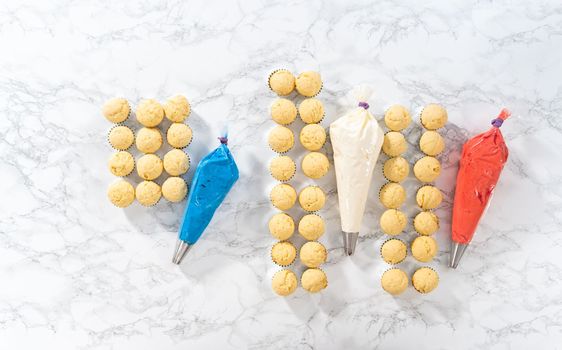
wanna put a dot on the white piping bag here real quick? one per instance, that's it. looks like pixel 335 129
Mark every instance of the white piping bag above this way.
pixel 357 140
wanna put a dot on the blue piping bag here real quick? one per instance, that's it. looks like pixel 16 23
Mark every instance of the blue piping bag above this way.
pixel 214 177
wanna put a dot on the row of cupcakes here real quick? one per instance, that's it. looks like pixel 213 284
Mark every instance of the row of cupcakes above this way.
pixel 282 168
pixel 150 114
pixel 392 195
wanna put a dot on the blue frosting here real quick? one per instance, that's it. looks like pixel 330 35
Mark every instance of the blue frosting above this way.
pixel 214 177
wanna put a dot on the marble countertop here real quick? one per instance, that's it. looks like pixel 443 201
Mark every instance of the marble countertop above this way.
pixel 78 273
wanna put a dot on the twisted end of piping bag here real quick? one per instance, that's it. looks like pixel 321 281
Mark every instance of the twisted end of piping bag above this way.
pixel 214 176
pixel 504 114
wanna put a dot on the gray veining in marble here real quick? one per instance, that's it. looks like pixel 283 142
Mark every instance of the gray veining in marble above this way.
pixel 77 273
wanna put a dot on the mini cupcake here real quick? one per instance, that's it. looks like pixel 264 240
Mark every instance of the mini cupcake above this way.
pixel 283 111
pixel 427 169
pixel 313 254
pixel 311 111
pixel 425 280
pixel 314 280
pixel 392 195
pixel 116 110
pixel 283 196
pixel 282 82
pixel 424 248
pixel 283 253
pixel 281 226
pixel 428 197
pixel 309 83
pixel 394 281
pixel 284 282
pixel 397 118
pixel 179 135
pixel 426 223
pixel 121 137
pixel 177 109
pixel 174 189
pixel 433 117
pixel 282 168
pixel 148 193
pixel 149 140
pixel 393 222
pixel 393 251
pixel 394 144
pixel 396 169
pixel 149 167
pixel 150 113
pixel 176 162
pixel 121 193
pixel 121 163
pixel 312 198
pixel 315 165
pixel 311 227
pixel 281 139
pixel 313 137
pixel 431 143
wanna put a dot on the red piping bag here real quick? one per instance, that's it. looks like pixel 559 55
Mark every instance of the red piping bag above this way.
pixel 481 164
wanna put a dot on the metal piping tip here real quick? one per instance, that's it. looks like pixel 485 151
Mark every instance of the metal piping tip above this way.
pixel 181 249
pixel 457 251
pixel 349 242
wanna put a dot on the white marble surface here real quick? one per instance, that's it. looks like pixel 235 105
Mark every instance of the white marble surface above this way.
pixel 77 273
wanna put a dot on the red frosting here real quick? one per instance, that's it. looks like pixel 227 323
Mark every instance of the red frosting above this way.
pixel 481 164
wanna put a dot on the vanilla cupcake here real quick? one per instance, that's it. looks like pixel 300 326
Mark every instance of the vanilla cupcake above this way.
pixel 116 110
pixel 397 118
pixel 393 251
pixel 148 193
pixel 281 139
pixel 313 137
pixel 177 109
pixel 396 169
pixel 424 248
pixel 433 117
pixel 283 253
pixel 427 169
pixel 121 163
pixel 425 280
pixel 428 197
pixel 393 222
pixel 179 135
pixel 431 143
pixel 311 227
pixel 394 281
pixel 312 198
pixel 426 223
pixel 174 189
pixel 314 280
pixel 283 111
pixel 392 195
pixel 309 83
pixel 150 112
pixel 394 144
pixel 313 254
pixel 149 167
pixel 282 82
pixel 284 282
pixel 315 165
pixel 282 168
pixel 149 140
pixel 311 111
pixel 121 193
pixel 283 196
pixel 121 137
pixel 176 162
pixel 281 226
